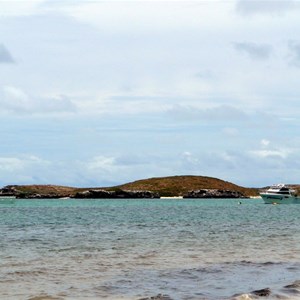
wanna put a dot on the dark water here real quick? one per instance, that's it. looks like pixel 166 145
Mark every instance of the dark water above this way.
pixel 133 249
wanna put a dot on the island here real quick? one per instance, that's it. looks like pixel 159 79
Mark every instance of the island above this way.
pixel 186 186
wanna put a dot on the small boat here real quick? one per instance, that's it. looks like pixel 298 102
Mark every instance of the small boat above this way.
pixel 280 194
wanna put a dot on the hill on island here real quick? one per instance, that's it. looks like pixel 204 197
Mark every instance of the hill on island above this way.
pixel 181 185
pixel 165 186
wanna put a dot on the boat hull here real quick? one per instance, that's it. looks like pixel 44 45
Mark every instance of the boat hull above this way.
pixel 280 199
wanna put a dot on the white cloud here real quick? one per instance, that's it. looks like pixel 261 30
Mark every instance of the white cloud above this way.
pixel 267 152
pixel 189 158
pixel 277 7
pixel 15 164
pixel 282 153
pixel 147 16
pixel 101 163
pixel 248 168
pixel 265 142
pixel 12 8
pixel 118 169
pixel 109 170
pixel 17 101
pixel 122 105
pixel 11 164
pixel 216 113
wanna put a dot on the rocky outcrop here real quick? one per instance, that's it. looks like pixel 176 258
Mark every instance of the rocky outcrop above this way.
pixel 262 293
pixel 102 194
pixel 8 190
pixel 85 194
pixel 37 196
pixel 92 194
pixel 213 193
pixel 157 297
pixel 55 192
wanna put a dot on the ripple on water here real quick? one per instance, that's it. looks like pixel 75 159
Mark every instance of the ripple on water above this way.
pixel 187 249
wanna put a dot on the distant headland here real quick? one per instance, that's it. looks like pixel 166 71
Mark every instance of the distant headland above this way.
pixel 187 186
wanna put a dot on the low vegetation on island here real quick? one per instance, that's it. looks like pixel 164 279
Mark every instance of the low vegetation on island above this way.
pixel 184 186
pixel 181 185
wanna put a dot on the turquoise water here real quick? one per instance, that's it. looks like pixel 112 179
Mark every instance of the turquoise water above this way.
pixel 133 249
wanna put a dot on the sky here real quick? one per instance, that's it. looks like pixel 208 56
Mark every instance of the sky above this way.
pixel 99 93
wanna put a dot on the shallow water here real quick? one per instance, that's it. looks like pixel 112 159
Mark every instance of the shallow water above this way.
pixel 133 249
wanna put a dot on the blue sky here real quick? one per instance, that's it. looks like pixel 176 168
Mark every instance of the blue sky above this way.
pixel 97 93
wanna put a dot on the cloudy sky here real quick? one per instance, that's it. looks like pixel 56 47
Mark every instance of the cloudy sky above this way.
pixel 97 93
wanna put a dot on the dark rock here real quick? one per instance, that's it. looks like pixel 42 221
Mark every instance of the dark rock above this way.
pixel 37 196
pixel 89 194
pixel 213 193
pixel 294 285
pixel 262 293
pixel 136 194
pixel 103 194
pixel 157 297
pixel 8 190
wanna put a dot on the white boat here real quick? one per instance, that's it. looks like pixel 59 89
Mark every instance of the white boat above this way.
pixel 280 194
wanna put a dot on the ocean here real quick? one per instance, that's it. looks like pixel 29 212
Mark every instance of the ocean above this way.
pixel 149 249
